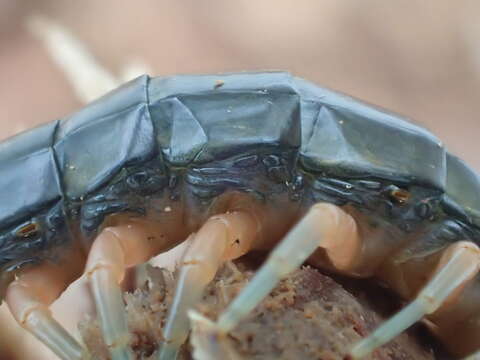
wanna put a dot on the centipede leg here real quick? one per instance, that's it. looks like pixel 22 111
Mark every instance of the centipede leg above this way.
pixel 29 297
pixel 326 226
pixel 459 264
pixel 221 238
pixel 475 356
pixel 115 249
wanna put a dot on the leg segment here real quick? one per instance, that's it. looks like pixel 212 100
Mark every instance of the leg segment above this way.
pixel 475 356
pixel 222 237
pixel 29 297
pixel 325 226
pixel 115 249
pixel 458 265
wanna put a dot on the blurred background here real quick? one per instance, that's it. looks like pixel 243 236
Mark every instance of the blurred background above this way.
pixel 418 58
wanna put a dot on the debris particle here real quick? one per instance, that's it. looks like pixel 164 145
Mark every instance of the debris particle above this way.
pixel 218 84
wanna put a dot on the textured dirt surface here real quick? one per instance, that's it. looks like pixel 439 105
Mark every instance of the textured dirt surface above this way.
pixel 308 316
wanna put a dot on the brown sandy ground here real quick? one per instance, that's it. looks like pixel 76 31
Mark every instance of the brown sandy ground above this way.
pixel 308 316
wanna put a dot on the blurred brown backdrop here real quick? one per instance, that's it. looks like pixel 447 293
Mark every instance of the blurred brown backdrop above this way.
pixel 417 58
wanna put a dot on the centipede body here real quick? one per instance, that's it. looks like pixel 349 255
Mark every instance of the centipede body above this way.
pixel 171 147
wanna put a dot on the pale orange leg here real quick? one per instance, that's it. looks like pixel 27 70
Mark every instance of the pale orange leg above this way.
pixel 326 226
pixel 457 266
pixel 222 237
pixel 115 249
pixel 30 295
